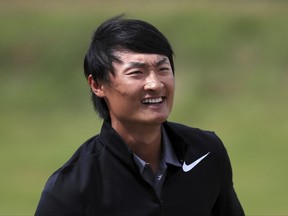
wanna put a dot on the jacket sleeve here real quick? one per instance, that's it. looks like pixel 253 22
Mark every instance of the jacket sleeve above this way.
pixel 59 198
pixel 227 202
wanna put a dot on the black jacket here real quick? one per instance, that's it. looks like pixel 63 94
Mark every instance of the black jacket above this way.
pixel 102 179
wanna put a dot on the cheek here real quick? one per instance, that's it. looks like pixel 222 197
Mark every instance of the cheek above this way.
pixel 170 83
pixel 123 92
pixel 171 89
pixel 117 90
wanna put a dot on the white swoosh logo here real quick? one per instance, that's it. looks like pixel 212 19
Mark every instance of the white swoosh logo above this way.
pixel 187 168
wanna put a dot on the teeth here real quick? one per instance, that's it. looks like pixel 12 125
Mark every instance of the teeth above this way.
pixel 152 100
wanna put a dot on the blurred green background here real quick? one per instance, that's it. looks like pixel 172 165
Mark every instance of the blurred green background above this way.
pixel 231 76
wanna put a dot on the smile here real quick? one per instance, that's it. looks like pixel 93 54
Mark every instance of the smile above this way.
pixel 152 100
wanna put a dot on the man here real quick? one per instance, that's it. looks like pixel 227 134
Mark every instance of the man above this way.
pixel 140 164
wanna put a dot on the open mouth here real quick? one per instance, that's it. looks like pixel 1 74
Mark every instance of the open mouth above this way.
pixel 153 100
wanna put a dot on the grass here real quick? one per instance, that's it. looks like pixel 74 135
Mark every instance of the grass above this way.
pixel 231 77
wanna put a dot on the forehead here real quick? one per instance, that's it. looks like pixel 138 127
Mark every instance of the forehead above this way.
pixel 128 57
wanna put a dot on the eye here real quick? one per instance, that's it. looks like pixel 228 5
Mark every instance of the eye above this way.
pixel 136 72
pixel 164 69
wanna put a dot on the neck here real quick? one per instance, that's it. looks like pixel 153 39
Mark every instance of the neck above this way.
pixel 144 141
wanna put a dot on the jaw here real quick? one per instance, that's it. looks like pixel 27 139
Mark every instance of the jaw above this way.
pixel 156 113
pixel 149 111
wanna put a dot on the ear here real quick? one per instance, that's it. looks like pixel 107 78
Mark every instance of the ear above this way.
pixel 96 87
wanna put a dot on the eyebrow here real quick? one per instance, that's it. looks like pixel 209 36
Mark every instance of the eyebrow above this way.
pixel 143 64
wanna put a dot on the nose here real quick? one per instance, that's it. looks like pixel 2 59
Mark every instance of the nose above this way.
pixel 153 83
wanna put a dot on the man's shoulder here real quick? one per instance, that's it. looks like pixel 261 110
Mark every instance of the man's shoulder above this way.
pixel 185 130
pixel 193 136
pixel 80 160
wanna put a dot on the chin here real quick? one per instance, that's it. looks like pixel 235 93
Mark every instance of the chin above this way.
pixel 157 119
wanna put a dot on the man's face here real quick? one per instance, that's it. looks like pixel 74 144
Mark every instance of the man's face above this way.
pixel 142 90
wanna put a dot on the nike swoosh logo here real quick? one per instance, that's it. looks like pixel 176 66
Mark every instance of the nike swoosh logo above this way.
pixel 187 168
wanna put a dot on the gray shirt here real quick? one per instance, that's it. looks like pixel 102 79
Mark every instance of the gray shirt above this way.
pixel 168 157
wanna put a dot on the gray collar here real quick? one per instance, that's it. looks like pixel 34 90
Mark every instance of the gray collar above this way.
pixel 169 156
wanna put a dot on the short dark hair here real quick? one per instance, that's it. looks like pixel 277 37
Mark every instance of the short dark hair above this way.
pixel 118 34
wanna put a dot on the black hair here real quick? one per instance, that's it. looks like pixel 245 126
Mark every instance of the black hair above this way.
pixel 118 34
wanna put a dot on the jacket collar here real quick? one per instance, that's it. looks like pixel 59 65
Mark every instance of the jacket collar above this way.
pixel 117 146
pixel 112 141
